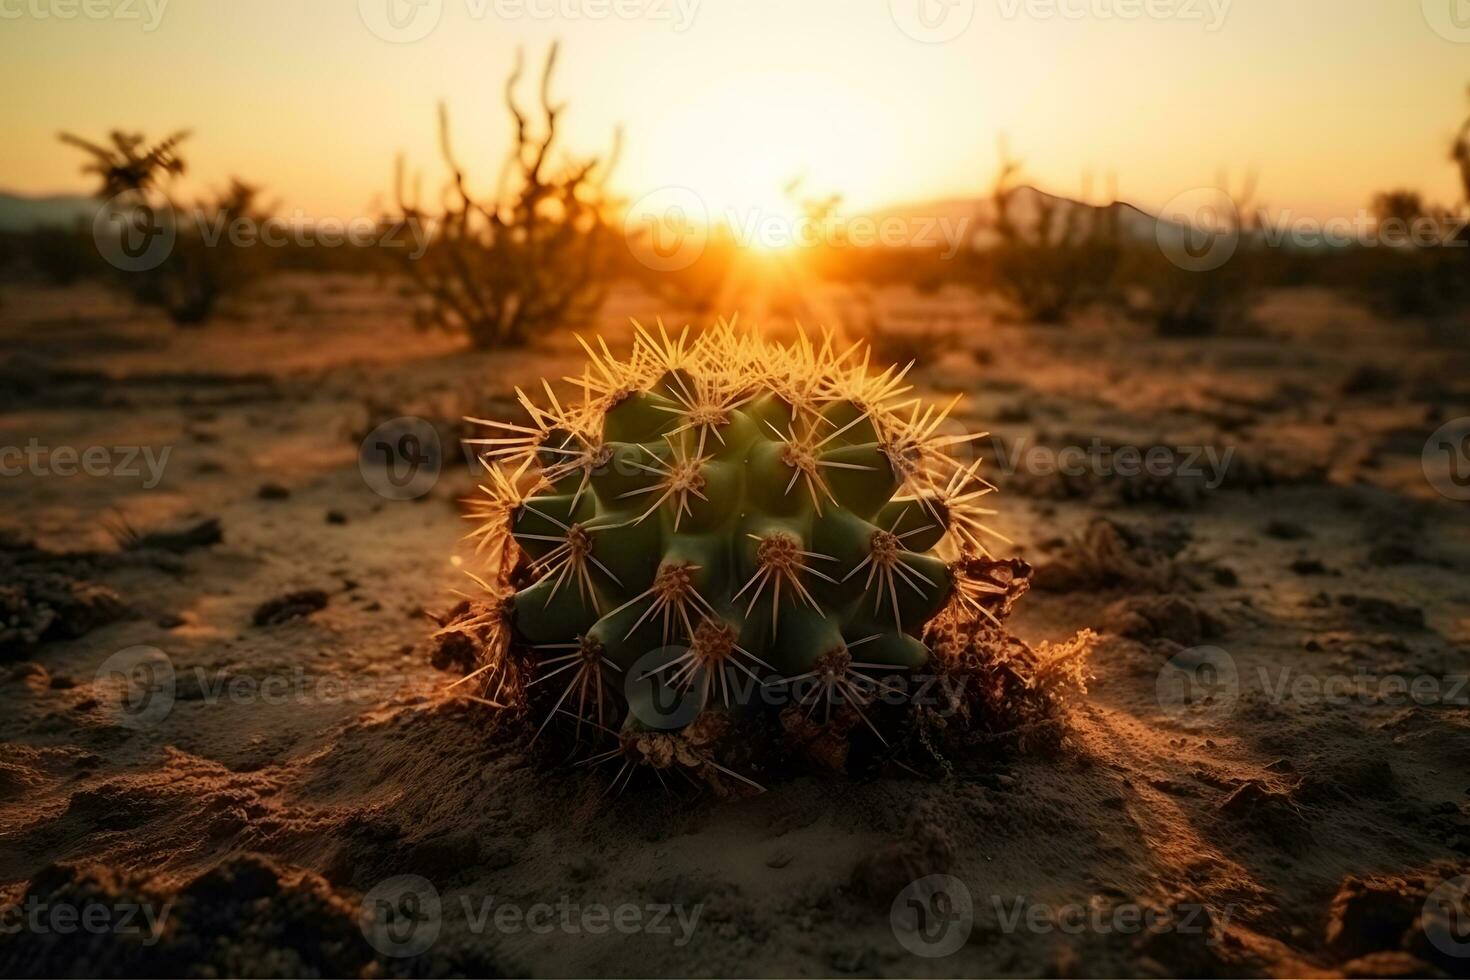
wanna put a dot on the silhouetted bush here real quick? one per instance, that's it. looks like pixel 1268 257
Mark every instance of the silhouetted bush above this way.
pixel 537 255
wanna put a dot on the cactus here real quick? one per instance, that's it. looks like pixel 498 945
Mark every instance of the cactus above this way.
pixel 715 520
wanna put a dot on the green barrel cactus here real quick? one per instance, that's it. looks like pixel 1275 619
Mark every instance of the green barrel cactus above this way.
pixel 714 521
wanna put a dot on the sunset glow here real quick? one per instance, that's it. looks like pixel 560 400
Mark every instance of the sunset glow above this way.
pixel 736 99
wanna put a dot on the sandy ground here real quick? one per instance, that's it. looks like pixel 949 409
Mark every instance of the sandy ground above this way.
pixel 1295 818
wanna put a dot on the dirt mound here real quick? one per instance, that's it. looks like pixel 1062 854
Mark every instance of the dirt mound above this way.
pixel 46 596
pixel 247 917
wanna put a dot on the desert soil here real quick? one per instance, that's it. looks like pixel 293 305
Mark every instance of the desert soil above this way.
pixel 310 753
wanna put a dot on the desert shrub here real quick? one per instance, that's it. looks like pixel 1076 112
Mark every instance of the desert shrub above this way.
pixel 1460 156
pixel 1194 302
pixel 1422 265
pixel 535 256
pixel 1416 282
pixel 205 262
pixel 59 256
pixel 1060 257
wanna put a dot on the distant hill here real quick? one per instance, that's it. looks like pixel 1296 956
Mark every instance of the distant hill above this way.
pixel 1027 202
pixel 20 212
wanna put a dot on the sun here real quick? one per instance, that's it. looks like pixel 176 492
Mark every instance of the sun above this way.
pixel 770 222
pixel 753 150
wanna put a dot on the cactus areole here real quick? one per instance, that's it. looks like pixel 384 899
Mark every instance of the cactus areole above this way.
pixel 716 524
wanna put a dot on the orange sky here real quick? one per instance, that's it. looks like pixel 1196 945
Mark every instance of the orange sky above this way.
pixel 1329 99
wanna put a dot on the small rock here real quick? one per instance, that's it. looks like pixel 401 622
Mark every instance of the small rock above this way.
pixel 1169 617
pixel 1383 612
pixel 336 517
pixel 1394 553
pixel 35 676
pixel 1286 530
pixel 290 606
pixel 926 849
pixel 181 537
pixel 273 491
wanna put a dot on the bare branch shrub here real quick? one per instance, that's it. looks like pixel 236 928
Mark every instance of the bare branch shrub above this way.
pixel 537 255
pixel 204 264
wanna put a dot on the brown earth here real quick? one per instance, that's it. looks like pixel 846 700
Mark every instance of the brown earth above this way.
pixel 310 755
